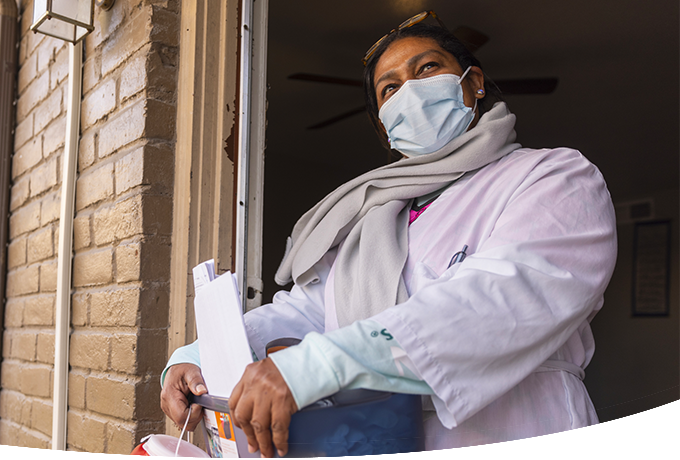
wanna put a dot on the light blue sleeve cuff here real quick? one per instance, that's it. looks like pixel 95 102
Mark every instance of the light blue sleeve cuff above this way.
pixel 186 354
pixel 362 355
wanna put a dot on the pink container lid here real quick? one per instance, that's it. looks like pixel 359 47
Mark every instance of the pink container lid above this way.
pixel 162 445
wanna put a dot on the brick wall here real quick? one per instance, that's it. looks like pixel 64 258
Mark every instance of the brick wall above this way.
pixel 122 230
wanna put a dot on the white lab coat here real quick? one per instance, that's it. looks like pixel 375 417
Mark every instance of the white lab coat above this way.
pixel 503 337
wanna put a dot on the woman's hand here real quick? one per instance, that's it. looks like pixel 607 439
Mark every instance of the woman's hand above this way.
pixel 261 405
pixel 179 380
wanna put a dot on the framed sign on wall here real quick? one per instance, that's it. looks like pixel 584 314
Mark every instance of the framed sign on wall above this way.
pixel 651 268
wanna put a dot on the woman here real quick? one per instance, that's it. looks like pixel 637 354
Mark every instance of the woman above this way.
pixel 468 271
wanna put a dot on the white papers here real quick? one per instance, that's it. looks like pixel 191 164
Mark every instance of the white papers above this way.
pixel 222 340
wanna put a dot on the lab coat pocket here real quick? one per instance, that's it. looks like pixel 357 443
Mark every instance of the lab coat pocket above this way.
pixel 424 275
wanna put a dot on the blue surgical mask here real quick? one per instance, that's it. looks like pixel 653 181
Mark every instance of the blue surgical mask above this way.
pixel 426 114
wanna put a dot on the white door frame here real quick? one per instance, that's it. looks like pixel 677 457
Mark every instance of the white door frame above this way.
pixel 252 125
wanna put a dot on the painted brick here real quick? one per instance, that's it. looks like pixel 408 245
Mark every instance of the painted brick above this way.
pixel 148 395
pixel 20 193
pixel 122 129
pixel 15 406
pixel 159 163
pixel 44 177
pixel 40 245
pixel 165 27
pixel 120 438
pixel 146 261
pixel 16 253
pixel 9 432
pixel 35 92
pixel 48 276
pixel 98 103
pixel 86 153
pixel 117 308
pixel 23 281
pixel 160 120
pixel 81 232
pixel 111 397
pixel 47 51
pixel 124 353
pixel 7 345
pixel 51 208
pixel 10 378
pixel 33 439
pixel 86 432
pixel 157 215
pixel 150 164
pixel 89 350
pixel 27 72
pixel 59 70
pixel 27 156
pixel 128 263
pixel 76 389
pixel 14 312
pixel 39 311
pixel 24 220
pixel 23 345
pixel 54 136
pixel 94 187
pixel 36 380
pixel 93 268
pixel 133 35
pixel 130 171
pixel 80 307
pixel 120 221
pixel 91 72
pixel 45 348
pixel 48 110
pixel 23 132
pixel 41 416
pixel 133 77
pixel 34 39
pixel 154 307
pixel 105 23
pixel 151 351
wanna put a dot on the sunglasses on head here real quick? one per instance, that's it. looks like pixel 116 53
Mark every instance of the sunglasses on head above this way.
pixel 404 25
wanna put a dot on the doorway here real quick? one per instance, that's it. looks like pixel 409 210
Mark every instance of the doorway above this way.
pixel 600 60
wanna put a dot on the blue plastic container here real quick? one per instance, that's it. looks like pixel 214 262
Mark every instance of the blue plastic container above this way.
pixel 358 422
pixel 349 423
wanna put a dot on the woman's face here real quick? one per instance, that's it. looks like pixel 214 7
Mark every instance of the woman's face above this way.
pixel 420 57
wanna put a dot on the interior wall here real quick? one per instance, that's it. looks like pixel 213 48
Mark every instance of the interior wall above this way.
pixel 636 362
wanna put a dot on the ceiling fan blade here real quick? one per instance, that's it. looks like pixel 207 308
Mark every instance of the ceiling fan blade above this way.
pixel 471 38
pixel 325 79
pixel 528 85
pixel 337 118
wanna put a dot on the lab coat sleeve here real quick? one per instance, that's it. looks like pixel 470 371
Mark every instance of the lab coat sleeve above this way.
pixel 486 323
pixel 291 314
pixel 361 355
pixel 186 354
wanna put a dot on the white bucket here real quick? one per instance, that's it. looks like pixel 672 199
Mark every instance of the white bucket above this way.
pixel 162 445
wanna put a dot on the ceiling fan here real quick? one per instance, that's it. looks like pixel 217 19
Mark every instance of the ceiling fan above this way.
pixel 473 40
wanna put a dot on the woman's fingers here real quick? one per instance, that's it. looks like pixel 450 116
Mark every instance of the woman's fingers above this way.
pixel 179 380
pixel 260 423
pixel 279 426
pixel 262 405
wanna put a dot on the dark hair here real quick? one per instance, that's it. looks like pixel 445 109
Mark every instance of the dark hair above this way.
pixel 448 42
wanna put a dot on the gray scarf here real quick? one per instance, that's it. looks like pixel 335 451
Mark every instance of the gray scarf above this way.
pixel 369 215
